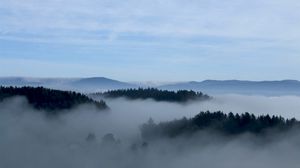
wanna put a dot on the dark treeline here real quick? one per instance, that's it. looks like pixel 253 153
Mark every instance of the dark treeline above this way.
pixel 156 94
pixel 48 99
pixel 227 124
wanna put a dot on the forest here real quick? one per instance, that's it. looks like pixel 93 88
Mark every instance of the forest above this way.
pixel 226 124
pixel 156 94
pixel 50 100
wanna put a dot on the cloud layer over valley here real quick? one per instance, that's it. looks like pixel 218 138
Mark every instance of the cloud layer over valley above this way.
pixel 30 139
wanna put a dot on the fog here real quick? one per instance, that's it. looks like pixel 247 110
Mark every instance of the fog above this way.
pixel 29 139
pixel 286 106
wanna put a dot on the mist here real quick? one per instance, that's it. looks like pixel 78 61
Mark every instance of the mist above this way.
pixel 28 138
pixel 286 106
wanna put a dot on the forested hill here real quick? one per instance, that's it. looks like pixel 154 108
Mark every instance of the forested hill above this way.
pixel 156 94
pixel 48 99
pixel 226 124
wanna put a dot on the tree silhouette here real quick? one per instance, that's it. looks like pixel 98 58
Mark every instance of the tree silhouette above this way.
pixel 48 99
pixel 156 94
pixel 227 124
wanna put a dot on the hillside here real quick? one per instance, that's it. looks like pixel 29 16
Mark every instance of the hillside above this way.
pixel 76 84
pixel 273 88
pixel 156 94
pixel 99 83
pixel 226 124
pixel 48 99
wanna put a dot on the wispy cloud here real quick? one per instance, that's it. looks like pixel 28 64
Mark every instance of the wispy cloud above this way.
pixel 226 37
pixel 234 18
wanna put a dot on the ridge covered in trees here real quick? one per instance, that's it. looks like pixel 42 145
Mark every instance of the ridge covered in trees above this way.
pixel 227 124
pixel 49 99
pixel 156 94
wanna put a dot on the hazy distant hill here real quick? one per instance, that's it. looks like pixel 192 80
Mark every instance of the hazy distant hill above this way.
pixel 100 83
pixel 77 84
pixel 17 81
pixel 284 87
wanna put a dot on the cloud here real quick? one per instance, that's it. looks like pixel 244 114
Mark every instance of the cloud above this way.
pixel 285 106
pixel 29 139
pixel 234 18
pixel 226 39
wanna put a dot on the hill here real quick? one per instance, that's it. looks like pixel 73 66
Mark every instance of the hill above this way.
pixel 156 94
pixel 226 124
pixel 99 83
pixel 76 84
pixel 48 99
pixel 272 88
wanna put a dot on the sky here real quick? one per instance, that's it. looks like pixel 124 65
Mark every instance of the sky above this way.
pixel 151 40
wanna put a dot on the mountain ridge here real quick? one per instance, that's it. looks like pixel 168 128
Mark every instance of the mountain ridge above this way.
pixel 278 87
pixel 95 84
pixel 88 84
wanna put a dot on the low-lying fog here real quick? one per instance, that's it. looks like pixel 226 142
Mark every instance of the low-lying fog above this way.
pixel 286 106
pixel 29 139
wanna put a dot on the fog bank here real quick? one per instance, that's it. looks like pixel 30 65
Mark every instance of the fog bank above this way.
pixel 30 139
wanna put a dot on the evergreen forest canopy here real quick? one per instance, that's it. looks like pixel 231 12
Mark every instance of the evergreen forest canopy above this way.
pixel 48 99
pixel 156 94
pixel 227 124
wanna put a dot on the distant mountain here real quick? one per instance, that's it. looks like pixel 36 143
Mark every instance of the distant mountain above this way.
pixel 99 84
pixel 77 84
pixel 17 81
pixel 271 88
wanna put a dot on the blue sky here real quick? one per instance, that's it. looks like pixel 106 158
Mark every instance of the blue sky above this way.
pixel 151 40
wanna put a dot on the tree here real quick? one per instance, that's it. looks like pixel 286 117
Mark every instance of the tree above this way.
pixel 156 94
pixel 50 100
pixel 217 121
